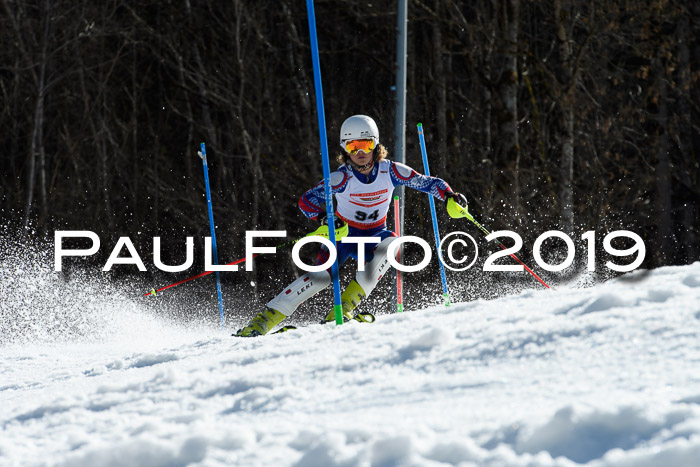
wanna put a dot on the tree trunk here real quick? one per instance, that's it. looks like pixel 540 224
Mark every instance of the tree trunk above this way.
pixel 662 176
pixel 689 234
pixel 566 105
pixel 204 103
pixel 139 215
pixel 508 148
pixel 488 149
pixel 440 94
pixel 301 85
pixel 37 147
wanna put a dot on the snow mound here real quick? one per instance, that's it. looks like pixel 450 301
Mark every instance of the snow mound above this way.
pixel 602 376
pixel 587 437
pixel 41 305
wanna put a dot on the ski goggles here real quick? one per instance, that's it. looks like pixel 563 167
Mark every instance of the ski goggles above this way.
pixel 356 145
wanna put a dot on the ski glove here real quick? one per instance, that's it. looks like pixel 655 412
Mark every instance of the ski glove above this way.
pixel 459 198
pixel 341 228
pixel 338 222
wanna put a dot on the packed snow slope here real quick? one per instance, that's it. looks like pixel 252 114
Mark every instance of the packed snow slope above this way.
pixel 607 375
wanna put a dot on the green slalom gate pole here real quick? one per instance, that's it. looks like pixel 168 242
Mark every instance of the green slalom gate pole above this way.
pixel 330 211
pixel 445 291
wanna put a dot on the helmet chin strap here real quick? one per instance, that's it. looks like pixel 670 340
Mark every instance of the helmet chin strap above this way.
pixel 365 166
pixel 362 167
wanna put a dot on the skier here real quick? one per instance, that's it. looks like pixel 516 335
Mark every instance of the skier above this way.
pixel 363 187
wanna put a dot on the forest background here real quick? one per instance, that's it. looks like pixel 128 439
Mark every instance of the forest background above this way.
pixel 547 114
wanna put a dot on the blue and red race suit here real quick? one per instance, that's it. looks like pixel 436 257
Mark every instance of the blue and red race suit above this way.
pixel 363 201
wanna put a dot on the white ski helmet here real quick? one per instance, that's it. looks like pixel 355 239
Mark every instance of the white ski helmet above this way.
pixel 358 127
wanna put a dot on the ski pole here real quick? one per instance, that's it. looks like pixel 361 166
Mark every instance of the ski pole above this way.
pixel 203 155
pixel 399 278
pixel 445 292
pixel 456 211
pixel 206 273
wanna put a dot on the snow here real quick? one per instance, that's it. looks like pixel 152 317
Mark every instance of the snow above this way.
pixel 607 375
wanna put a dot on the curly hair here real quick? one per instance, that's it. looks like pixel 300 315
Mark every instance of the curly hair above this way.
pixel 380 154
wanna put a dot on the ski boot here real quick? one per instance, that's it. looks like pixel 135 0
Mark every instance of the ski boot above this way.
pixel 351 297
pixel 261 323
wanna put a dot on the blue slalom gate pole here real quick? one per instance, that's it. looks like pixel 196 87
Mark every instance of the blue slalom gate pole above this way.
pixel 215 259
pixel 445 292
pixel 330 211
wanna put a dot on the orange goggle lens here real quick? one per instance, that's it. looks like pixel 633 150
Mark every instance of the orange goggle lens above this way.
pixel 364 145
